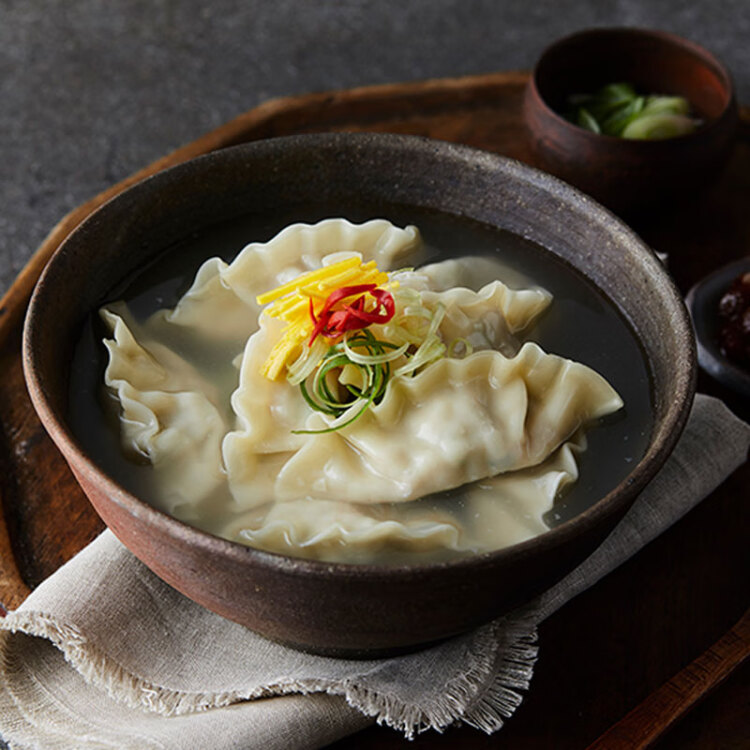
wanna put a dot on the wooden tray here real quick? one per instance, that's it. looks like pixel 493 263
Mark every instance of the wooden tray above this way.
pixel 603 654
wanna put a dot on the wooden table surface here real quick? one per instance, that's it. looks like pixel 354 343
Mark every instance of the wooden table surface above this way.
pixel 603 654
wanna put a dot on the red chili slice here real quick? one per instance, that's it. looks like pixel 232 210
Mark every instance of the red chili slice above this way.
pixel 351 317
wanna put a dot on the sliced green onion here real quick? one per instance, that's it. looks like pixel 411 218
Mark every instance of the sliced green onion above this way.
pixel 374 359
pixel 586 120
pixel 670 105
pixel 617 110
pixel 430 350
pixel 460 342
pixel 362 351
pixel 623 116
pixel 659 126
pixel 314 404
pixel 307 361
pixel 437 318
pixel 417 310
pixel 615 94
pixel 375 376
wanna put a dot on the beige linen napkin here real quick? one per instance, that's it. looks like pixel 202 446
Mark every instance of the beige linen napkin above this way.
pixel 105 655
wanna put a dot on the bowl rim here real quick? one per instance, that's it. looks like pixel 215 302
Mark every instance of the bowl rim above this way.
pixel 617 499
pixel 665 37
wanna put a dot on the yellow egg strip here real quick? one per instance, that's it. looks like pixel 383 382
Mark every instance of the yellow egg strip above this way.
pixel 320 288
pixel 287 348
pixel 305 279
pixel 291 303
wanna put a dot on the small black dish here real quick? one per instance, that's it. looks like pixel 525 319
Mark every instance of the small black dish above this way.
pixel 703 304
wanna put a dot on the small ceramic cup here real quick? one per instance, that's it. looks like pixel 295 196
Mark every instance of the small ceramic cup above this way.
pixel 631 177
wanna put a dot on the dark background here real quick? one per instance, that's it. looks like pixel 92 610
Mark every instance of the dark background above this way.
pixel 92 90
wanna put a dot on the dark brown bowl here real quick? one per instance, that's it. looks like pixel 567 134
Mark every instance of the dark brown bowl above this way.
pixel 631 177
pixel 339 608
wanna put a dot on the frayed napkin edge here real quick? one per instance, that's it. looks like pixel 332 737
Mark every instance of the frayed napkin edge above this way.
pixel 504 649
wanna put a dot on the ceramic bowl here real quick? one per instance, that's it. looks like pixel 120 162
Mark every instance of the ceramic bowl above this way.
pixel 340 608
pixel 703 305
pixel 632 177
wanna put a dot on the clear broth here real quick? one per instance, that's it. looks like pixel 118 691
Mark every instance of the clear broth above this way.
pixel 581 325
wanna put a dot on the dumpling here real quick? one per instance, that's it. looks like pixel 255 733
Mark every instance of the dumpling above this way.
pixel 495 512
pixel 472 272
pixel 319 528
pixel 453 423
pixel 511 507
pixel 269 411
pixel 490 318
pixel 221 301
pixel 493 420
pixel 169 414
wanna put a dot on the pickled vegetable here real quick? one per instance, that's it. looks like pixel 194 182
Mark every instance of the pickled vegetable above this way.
pixel 617 109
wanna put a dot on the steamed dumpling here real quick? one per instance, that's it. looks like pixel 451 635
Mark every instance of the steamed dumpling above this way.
pixel 490 318
pixel 269 411
pixel 317 528
pixel 170 414
pixel 495 512
pixel 504 423
pixel 456 422
pixel 221 301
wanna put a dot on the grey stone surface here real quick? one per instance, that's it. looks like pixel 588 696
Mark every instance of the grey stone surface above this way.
pixel 93 90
